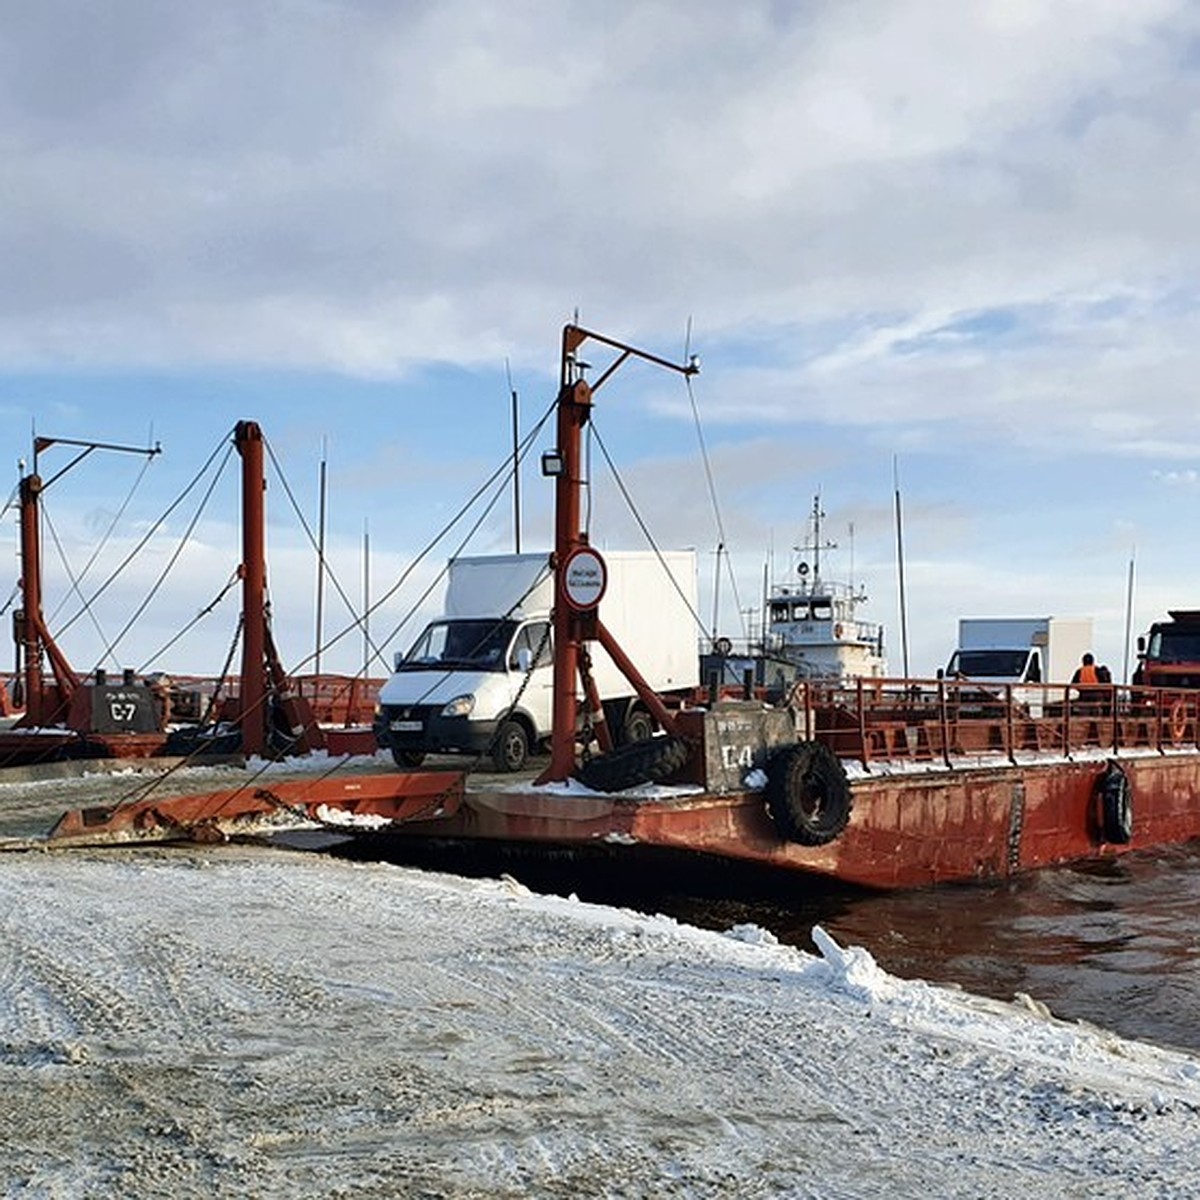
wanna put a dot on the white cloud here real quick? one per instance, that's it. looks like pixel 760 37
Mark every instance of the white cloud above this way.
pixel 960 233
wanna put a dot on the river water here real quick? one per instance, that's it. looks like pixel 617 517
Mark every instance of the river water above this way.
pixel 1115 943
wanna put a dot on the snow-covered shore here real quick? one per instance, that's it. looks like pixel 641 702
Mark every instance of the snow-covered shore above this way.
pixel 254 1022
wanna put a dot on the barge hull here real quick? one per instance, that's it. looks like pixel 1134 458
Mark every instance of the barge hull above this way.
pixel 906 830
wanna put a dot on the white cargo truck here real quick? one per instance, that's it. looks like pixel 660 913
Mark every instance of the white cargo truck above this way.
pixel 1020 649
pixel 480 678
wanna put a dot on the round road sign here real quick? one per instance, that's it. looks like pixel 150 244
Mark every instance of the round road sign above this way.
pixel 584 578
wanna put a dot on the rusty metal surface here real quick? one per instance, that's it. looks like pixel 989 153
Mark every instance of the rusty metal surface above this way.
pixel 897 720
pixel 984 802
pixel 341 802
pixel 906 830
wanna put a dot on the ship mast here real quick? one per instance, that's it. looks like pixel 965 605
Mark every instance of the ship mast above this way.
pixel 815 546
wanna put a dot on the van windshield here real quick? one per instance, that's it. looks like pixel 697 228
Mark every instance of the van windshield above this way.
pixel 475 644
pixel 989 664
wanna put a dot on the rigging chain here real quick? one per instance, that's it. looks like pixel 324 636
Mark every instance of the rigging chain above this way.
pixel 234 579
pixel 150 786
pixel 637 516
pixel 712 493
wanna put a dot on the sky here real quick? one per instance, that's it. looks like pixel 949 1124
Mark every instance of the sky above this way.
pixel 235 1020
pixel 936 252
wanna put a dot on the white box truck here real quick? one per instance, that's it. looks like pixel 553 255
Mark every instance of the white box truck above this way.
pixel 1017 654
pixel 1020 649
pixel 480 678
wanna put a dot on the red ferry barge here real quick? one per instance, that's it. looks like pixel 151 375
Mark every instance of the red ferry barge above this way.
pixel 881 783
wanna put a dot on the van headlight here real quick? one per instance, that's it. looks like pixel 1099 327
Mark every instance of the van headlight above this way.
pixel 460 706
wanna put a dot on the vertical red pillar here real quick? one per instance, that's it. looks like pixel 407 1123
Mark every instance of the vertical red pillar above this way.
pixel 572 628
pixel 574 410
pixel 31 599
pixel 248 439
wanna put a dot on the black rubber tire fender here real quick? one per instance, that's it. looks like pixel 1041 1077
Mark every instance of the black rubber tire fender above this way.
pixel 1116 806
pixel 509 747
pixel 808 794
pixel 634 763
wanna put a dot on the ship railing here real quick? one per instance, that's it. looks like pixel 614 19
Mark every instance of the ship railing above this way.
pixel 335 700
pixel 345 700
pixel 950 722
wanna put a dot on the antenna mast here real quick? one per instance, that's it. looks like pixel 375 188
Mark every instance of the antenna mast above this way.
pixel 516 460
pixel 816 545
pixel 900 568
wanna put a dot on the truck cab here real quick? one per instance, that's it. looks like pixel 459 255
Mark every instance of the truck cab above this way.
pixel 1169 655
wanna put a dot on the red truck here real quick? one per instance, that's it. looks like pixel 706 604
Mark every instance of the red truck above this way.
pixel 1169 655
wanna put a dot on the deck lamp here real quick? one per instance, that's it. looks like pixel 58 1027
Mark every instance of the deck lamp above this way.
pixel 552 463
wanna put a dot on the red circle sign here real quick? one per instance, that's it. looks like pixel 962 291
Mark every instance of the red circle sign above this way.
pixel 584 578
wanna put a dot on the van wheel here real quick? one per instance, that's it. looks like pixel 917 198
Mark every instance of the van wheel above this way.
pixel 510 747
pixel 408 758
pixel 639 727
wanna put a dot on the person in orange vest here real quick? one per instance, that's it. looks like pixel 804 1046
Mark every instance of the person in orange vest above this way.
pixel 1088 675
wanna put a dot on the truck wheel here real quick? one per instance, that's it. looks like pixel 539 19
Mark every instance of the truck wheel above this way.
pixel 408 758
pixel 626 766
pixel 639 727
pixel 510 747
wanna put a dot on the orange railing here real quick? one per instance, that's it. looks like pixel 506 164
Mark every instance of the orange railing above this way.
pixel 946 721
pixel 336 700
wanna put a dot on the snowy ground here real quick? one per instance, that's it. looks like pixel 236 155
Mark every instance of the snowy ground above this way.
pixel 271 1023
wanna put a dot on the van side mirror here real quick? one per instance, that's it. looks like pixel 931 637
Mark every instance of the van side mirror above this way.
pixel 1141 645
pixel 941 673
pixel 397 659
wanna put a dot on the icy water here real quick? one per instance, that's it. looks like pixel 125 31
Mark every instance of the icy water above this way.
pixel 1115 943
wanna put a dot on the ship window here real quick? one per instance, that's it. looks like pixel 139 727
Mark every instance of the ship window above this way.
pixel 800 610
pixel 779 610
pixel 822 610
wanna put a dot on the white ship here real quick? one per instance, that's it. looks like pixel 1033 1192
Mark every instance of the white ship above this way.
pixel 812 624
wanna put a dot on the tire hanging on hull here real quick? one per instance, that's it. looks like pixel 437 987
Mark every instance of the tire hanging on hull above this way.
pixel 808 794
pixel 1116 806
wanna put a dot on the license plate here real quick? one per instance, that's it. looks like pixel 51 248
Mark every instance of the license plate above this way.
pixel 406 726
